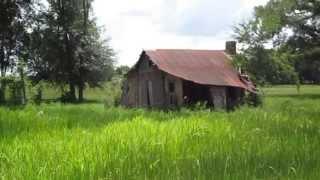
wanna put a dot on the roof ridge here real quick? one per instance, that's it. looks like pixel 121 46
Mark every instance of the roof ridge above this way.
pixel 188 50
pixel 212 50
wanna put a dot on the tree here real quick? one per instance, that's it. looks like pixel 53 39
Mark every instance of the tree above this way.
pixel 95 63
pixel 71 48
pixel 122 70
pixel 15 20
pixel 293 28
pixel 264 65
pixel 304 21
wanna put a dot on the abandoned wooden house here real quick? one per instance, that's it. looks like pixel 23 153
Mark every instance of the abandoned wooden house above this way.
pixel 168 78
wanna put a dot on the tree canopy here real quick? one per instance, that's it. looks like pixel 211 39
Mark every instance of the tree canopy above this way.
pixel 59 43
pixel 292 28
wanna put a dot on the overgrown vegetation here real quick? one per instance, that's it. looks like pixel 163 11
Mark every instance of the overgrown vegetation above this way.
pixel 16 92
pixel 48 53
pixel 277 141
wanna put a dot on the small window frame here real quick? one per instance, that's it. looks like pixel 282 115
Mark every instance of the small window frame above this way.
pixel 171 87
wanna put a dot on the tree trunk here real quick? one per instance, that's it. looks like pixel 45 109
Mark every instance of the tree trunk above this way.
pixel 81 89
pixel 72 92
pixel 2 91
pixel 2 75
pixel 24 96
pixel 85 21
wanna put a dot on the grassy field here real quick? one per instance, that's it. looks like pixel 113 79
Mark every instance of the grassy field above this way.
pixel 280 140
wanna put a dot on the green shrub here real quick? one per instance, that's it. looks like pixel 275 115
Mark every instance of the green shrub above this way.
pixel 67 97
pixel 16 94
pixel 36 92
pixel 253 99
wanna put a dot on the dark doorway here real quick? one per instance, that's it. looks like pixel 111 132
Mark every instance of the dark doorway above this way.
pixel 194 93
pixel 234 97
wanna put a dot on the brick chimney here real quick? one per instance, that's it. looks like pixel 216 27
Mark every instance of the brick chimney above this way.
pixel 231 47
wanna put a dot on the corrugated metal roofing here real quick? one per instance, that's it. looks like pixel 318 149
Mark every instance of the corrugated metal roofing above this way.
pixel 207 67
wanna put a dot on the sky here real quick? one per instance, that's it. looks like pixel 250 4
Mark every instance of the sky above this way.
pixel 136 25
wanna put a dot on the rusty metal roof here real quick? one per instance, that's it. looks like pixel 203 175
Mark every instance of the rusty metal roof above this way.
pixel 207 67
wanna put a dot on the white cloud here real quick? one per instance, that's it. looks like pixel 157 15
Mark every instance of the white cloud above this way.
pixel 134 25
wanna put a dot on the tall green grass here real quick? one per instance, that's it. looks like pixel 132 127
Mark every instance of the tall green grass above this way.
pixel 280 140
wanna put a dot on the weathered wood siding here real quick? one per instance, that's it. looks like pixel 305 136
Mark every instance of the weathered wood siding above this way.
pixel 150 76
pixel 177 95
pixel 146 88
pixel 130 91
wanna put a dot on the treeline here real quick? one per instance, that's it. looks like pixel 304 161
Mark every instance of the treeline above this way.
pixel 281 43
pixel 56 41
